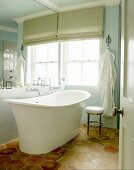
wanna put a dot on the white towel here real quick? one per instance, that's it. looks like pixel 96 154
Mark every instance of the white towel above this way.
pixel 107 79
pixel 20 70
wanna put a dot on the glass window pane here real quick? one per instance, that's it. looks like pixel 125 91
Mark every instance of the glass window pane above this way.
pixel 90 73
pixel 74 73
pixel 75 50
pixel 40 53
pixel 53 52
pixel 40 71
pixel 91 50
pixel 52 72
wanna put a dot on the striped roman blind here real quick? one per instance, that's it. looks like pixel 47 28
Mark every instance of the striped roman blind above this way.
pixel 83 23
pixel 76 24
pixel 40 29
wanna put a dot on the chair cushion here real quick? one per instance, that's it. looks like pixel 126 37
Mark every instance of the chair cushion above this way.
pixel 94 110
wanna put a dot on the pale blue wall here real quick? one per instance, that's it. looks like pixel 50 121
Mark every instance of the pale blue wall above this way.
pixel 9 36
pixel 112 27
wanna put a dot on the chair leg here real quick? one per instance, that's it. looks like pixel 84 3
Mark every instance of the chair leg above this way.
pixel 88 120
pixel 100 125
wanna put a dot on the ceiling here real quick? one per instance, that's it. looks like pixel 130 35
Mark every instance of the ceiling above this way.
pixel 16 9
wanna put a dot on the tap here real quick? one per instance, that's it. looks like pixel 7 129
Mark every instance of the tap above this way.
pixel 61 81
pixel 61 84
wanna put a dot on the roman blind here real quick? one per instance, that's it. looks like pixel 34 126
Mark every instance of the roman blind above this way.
pixel 40 29
pixel 82 23
pixel 76 24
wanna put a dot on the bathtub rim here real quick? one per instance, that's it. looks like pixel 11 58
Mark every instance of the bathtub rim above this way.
pixel 19 102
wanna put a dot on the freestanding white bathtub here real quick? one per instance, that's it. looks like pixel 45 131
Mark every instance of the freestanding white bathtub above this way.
pixel 47 122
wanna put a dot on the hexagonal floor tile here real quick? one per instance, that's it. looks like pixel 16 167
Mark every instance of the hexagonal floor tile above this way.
pixel 50 165
pixel 20 155
pixel 35 160
pixel 13 144
pixel 2 167
pixel 31 168
pixel 53 156
pixel 8 151
pixel 57 149
pixel 15 164
pixel 111 149
pixel 5 159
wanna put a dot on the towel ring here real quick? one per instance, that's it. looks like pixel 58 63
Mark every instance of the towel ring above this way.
pixel 108 40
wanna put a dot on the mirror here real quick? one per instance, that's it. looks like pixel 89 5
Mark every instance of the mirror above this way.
pixel 8 60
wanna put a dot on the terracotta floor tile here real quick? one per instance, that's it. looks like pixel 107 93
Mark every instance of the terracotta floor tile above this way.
pixel 13 144
pixel 53 156
pixel 83 149
pixel 81 143
pixel 57 150
pixel 107 143
pixel 67 160
pixel 35 160
pixel 50 165
pixel 97 147
pixel 70 152
pixel 104 137
pixel 15 165
pixel 20 155
pixel 85 157
pixel 82 136
pixel 68 146
pixel 2 167
pixel 63 151
pixel 103 163
pixel 111 149
pixel 5 159
pixel 7 151
pixel 82 165
pixel 95 162
pixel 31 168
pixel 63 168
pixel 114 165
pixel 69 167
pixel 115 157
pixel 72 140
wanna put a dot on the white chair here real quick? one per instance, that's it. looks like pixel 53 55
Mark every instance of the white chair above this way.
pixel 94 110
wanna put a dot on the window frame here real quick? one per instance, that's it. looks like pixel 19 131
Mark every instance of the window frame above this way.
pixel 61 62
pixel 63 73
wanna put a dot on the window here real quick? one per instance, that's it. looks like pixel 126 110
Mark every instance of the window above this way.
pixel 42 63
pixel 78 62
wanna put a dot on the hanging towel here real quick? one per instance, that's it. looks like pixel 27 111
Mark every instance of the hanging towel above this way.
pixel 107 80
pixel 20 70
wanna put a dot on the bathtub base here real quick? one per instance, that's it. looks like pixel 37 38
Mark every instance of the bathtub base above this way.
pixel 45 130
pixel 31 148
